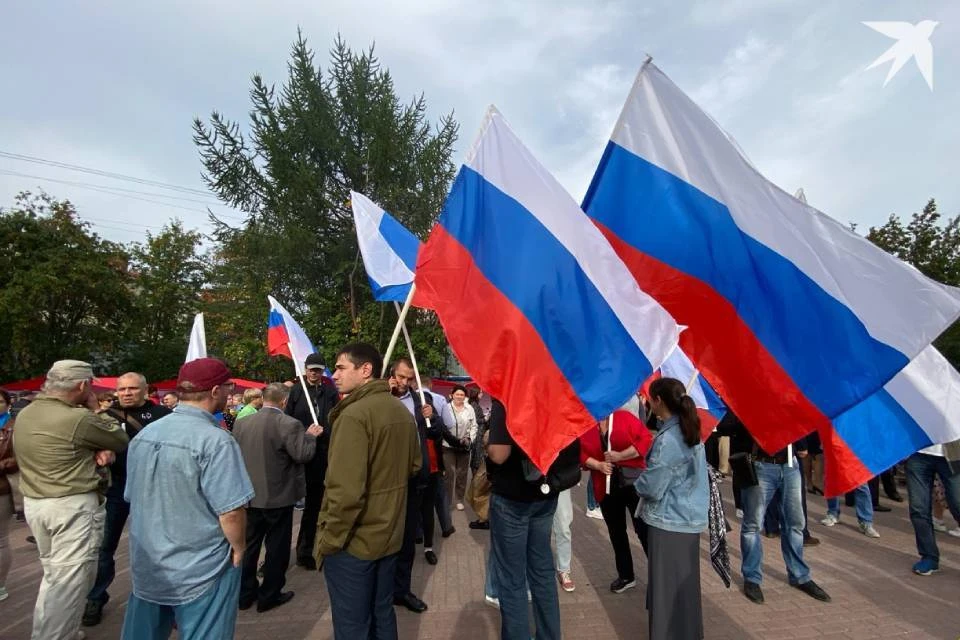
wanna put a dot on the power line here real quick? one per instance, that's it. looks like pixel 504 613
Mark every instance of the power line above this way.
pixel 106 174
pixel 113 191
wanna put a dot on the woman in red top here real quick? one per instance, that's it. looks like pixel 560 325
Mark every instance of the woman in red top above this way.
pixel 621 457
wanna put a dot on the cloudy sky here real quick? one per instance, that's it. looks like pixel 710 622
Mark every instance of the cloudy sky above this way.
pixel 114 86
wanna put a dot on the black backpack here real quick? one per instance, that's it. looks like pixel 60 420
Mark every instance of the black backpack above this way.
pixel 562 474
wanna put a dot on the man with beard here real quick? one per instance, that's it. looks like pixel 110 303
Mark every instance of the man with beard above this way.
pixel 188 490
pixel 323 398
pixel 133 410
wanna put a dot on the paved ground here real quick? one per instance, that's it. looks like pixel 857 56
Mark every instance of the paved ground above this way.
pixel 874 593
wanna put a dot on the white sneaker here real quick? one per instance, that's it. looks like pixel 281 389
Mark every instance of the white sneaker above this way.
pixel 939 525
pixel 491 601
pixel 866 528
pixel 830 520
pixel 739 514
pixel 3 594
pixel 596 514
pixel 459 506
pixel 955 532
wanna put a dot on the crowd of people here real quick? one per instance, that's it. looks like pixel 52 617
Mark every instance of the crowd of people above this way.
pixel 208 480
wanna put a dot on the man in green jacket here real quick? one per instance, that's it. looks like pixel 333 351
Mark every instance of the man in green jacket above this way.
pixel 63 449
pixel 373 453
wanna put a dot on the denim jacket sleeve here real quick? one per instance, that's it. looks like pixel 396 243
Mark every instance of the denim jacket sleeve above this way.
pixel 654 481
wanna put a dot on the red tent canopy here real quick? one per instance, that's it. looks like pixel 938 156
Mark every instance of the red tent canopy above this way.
pixel 31 384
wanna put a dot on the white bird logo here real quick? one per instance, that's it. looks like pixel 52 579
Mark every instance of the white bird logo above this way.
pixel 913 41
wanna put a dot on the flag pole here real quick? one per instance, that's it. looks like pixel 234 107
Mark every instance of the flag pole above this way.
pixel 396 330
pixel 609 446
pixel 303 383
pixel 413 361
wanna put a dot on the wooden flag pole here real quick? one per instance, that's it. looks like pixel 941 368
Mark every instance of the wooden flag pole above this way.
pixel 303 383
pixel 609 446
pixel 413 360
pixel 396 330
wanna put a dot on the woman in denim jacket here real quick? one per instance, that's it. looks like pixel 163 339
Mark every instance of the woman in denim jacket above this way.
pixel 675 498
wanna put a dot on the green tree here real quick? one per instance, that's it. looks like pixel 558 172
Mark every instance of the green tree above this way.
pixel 934 249
pixel 321 135
pixel 169 274
pixel 67 292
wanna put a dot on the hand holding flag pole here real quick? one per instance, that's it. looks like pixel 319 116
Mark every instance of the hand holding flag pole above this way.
pixel 413 359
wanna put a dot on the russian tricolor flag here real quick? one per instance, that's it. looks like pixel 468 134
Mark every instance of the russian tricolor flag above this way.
pixel 389 250
pixel 792 317
pixel 285 337
pixel 535 303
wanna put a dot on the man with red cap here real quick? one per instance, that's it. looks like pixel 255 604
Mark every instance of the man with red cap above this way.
pixel 187 540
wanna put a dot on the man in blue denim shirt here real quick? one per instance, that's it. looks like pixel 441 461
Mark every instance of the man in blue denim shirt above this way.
pixel 188 488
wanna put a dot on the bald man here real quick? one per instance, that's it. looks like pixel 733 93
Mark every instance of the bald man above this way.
pixel 133 410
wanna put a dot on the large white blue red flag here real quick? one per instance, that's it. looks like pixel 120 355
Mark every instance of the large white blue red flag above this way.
pixel 792 317
pixel 285 337
pixel 535 303
pixel 389 250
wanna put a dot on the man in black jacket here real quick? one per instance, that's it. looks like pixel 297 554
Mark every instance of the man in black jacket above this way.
pixel 133 410
pixel 323 398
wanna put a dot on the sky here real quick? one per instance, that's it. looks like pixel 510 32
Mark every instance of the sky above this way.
pixel 114 86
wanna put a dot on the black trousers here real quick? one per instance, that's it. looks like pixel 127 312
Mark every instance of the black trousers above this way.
pixel 408 551
pixel 889 485
pixel 618 509
pixel 274 529
pixel 308 521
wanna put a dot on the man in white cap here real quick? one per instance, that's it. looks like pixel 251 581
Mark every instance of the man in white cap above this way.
pixel 61 442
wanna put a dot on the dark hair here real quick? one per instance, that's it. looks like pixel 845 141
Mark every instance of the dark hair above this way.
pixel 6 397
pixel 361 353
pixel 458 387
pixel 106 396
pixel 473 394
pixel 673 394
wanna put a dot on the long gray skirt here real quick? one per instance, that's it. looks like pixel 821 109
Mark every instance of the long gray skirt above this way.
pixel 674 609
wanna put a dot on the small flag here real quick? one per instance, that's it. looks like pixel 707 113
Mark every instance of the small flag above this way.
pixel 389 250
pixel 198 340
pixel 285 337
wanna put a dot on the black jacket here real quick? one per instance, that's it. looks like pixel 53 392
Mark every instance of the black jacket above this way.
pixel 432 436
pixel 323 398
pixel 742 442
pixel 132 421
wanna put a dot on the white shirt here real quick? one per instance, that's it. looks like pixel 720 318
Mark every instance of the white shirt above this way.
pixel 935 450
pixel 464 422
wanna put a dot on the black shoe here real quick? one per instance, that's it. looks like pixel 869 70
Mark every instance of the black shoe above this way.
pixel 430 556
pixel 246 604
pixel 813 590
pixel 419 540
pixel 810 541
pixel 620 585
pixel 281 600
pixel 307 563
pixel 771 534
pixel 411 602
pixel 480 524
pixel 31 540
pixel 882 508
pixel 896 497
pixel 92 614
pixel 19 517
pixel 753 592
pixel 449 532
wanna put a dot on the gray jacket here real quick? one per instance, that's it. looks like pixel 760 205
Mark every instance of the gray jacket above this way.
pixel 274 447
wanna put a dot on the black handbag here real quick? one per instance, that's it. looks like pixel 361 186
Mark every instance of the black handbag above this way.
pixel 744 473
pixel 563 474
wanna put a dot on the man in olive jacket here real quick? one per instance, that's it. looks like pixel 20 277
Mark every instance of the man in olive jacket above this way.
pixel 373 453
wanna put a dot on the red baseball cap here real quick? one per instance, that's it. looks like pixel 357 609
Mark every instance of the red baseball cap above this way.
pixel 202 374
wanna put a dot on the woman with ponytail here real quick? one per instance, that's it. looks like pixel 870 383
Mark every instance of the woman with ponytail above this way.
pixel 675 498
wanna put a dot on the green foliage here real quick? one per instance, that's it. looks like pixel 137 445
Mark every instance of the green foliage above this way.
pixel 934 249
pixel 67 292
pixel 321 135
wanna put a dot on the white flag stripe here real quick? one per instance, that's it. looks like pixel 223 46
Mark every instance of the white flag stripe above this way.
pixel 381 261
pixel 197 348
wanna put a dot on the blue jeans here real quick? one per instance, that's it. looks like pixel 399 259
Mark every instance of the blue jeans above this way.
pixel 117 510
pixel 591 500
pixel 520 541
pixel 921 469
pixel 772 477
pixel 212 616
pixel 361 596
pixel 864 504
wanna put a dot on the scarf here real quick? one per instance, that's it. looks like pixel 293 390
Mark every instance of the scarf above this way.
pixel 718 529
